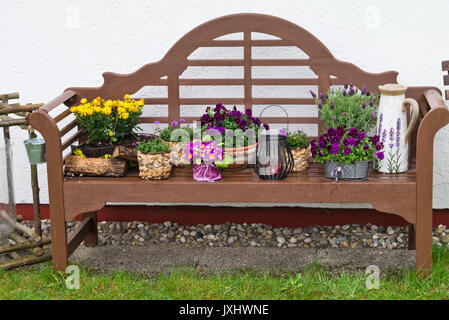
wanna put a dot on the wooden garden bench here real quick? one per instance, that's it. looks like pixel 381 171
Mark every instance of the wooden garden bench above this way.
pixel 408 195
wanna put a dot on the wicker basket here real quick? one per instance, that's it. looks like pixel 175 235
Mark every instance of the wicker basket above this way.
pixel 301 158
pixel 177 154
pixel 154 166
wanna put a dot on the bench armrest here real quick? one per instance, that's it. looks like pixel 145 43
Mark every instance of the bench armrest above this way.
pixel 43 122
pixel 435 119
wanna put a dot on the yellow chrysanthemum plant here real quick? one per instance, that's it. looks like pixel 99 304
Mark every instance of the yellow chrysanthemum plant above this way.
pixel 108 121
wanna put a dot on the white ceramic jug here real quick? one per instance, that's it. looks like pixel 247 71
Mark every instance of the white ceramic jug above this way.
pixel 392 127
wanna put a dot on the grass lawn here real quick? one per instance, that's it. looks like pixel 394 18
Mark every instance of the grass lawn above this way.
pixel 40 282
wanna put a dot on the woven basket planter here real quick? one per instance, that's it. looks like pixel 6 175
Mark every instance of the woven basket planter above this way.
pixel 177 154
pixel 301 159
pixel 154 166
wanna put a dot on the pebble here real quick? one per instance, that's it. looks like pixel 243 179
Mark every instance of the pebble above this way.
pixel 254 235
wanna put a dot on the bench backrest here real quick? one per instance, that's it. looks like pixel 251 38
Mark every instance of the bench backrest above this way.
pixel 326 71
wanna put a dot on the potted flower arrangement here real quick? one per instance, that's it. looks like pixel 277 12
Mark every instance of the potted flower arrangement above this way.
pixel 347 107
pixel 175 142
pixel 107 123
pixel 154 159
pixel 228 124
pixel 299 144
pixel 204 154
pixel 346 154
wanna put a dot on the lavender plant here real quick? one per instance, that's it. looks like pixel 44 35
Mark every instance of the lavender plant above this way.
pixel 348 108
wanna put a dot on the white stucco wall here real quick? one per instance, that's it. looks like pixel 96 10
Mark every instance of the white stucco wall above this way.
pixel 47 46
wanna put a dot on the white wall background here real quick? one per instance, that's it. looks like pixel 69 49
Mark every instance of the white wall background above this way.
pixel 48 45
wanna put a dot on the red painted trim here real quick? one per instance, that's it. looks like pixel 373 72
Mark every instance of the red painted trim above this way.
pixel 276 216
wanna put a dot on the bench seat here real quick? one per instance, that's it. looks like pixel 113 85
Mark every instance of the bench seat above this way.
pixel 243 186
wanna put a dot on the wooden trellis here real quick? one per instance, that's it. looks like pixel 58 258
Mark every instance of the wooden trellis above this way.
pixel 35 249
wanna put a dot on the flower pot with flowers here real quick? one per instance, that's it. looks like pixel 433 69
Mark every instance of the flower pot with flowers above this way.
pixel 299 144
pixel 346 154
pixel 204 154
pixel 107 124
pixel 154 159
pixel 177 138
pixel 237 130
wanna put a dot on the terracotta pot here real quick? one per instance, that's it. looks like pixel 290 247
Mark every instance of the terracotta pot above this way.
pixel 244 154
pixel 154 166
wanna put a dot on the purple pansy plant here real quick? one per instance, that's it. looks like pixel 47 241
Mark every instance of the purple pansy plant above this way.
pixel 346 146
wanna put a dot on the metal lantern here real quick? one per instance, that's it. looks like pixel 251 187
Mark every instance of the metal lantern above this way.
pixel 274 159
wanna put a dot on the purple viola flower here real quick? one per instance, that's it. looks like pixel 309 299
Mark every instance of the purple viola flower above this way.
pixel 378 147
pixel 351 141
pixel 321 144
pixel 347 151
pixel 366 147
pixel 182 120
pixel 361 136
pixel 174 123
pixel 332 105
pixel 380 155
pixel 248 112
pixel 353 132
pixel 282 132
pixel 313 94
pixel 266 126
pixel 331 131
pixel 335 148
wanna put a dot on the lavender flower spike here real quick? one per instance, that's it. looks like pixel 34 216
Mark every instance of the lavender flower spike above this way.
pixel 313 94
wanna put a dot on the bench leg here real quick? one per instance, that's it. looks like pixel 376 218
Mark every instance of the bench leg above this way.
pixel 59 250
pixel 424 245
pixel 411 237
pixel 91 239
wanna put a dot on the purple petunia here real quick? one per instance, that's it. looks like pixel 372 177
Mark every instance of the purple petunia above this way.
pixel 174 123
pixel 380 155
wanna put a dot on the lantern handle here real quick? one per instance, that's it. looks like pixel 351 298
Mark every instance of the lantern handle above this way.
pixel 285 111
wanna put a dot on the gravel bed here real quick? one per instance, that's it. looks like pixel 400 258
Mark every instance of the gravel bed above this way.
pixel 254 235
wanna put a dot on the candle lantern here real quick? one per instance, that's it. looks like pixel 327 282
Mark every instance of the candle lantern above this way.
pixel 274 160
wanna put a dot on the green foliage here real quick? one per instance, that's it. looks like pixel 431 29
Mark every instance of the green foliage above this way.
pixel 298 140
pixel 315 282
pixel 348 109
pixel 165 133
pixel 155 145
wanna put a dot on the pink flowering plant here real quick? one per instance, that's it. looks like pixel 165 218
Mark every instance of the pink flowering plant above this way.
pixel 209 151
pixel 346 146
